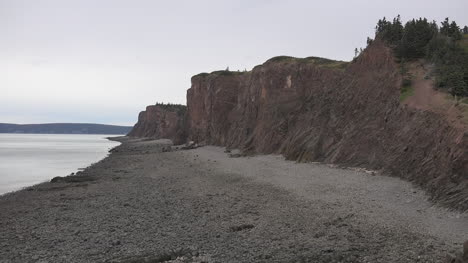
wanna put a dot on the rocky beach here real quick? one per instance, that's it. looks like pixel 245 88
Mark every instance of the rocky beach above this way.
pixel 234 131
pixel 143 204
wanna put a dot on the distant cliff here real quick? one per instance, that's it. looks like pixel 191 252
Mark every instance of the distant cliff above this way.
pixel 315 109
pixel 161 121
pixel 64 128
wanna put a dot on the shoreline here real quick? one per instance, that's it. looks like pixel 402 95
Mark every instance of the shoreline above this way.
pixel 76 170
pixel 199 205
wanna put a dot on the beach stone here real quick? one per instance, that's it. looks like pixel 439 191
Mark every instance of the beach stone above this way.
pixel 116 242
pixel 465 251
pixel 166 149
pixel 56 179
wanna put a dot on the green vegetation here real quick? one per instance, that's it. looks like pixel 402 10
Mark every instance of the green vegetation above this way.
pixel 406 92
pixel 227 72
pixel 222 73
pixel 464 42
pixel 283 59
pixel 327 63
pixel 406 89
pixel 179 108
pixel 203 74
pixel 322 62
pixel 445 46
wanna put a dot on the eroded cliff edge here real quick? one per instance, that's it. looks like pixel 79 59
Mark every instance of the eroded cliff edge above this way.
pixel 315 109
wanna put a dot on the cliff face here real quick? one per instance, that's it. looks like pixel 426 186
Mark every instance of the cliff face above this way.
pixel 212 100
pixel 314 110
pixel 161 121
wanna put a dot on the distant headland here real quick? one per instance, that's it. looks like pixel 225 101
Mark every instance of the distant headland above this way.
pixel 64 128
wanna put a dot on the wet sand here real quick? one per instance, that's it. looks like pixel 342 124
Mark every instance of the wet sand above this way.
pixel 143 205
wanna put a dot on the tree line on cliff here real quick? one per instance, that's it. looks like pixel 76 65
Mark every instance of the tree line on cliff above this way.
pixel 441 45
pixel 180 109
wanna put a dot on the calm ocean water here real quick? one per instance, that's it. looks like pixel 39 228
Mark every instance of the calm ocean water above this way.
pixel 27 159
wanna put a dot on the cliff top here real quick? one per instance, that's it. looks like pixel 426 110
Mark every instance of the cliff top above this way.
pixel 318 61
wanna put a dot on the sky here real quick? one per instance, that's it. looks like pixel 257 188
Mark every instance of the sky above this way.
pixel 104 61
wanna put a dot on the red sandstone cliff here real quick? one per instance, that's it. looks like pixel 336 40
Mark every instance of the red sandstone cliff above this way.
pixel 315 110
pixel 161 122
pixel 319 110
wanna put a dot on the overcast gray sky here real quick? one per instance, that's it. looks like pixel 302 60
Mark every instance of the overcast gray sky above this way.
pixel 103 61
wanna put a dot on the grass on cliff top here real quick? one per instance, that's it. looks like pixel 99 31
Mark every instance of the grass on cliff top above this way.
pixel 321 62
pixel 221 73
pixel 228 72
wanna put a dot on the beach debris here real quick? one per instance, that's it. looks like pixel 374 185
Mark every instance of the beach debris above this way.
pixel 113 149
pixel 235 155
pixel 115 243
pixel 72 178
pixel 190 145
pixel 166 149
pixel 174 255
pixel 241 227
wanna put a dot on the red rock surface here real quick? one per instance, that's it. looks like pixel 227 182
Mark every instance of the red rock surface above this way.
pixel 314 112
pixel 161 121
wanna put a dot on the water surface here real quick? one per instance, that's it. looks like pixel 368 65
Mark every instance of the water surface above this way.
pixel 27 159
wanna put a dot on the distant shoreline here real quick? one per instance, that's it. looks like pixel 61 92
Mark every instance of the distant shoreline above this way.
pixel 117 134
pixel 64 128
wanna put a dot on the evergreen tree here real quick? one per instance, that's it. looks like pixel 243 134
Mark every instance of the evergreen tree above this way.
pixel 455 31
pixel 388 31
pixel 397 29
pixel 434 27
pixel 445 28
pixel 381 24
pixel 416 36
pixel 450 29
pixel 465 30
